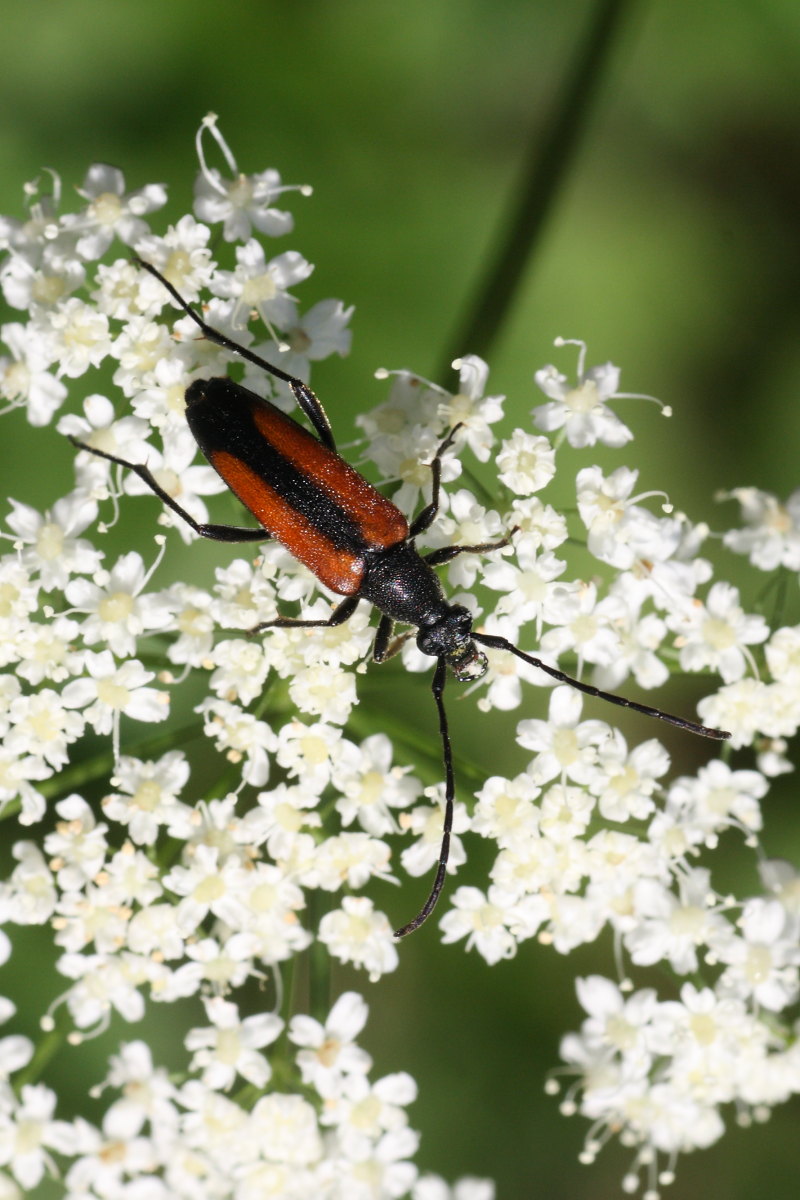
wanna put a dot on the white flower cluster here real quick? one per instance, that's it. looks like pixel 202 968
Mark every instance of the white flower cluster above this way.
pixel 171 888
pixel 343 1137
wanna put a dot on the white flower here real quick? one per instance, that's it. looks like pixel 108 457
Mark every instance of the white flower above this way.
pixel 240 737
pixel 620 530
pixel 505 810
pixel 718 797
pixel 104 983
pixel 141 346
pixel 78 845
pixel 160 398
pixel 625 780
pixel 110 690
pixel 80 336
pixel 764 963
pixel 771 536
pixel 241 669
pixel 364 1111
pixel 99 428
pixel 565 747
pixel 185 483
pixel 242 202
pixel 675 927
pixel 782 652
pixel 42 726
pixel 243 595
pixel 182 257
pixel 617 1023
pixel 425 824
pixel 110 212
pixel 751 706
pixel 51 548
pixel 148 797
pixel 358 934
pixel 483 920
pixel 271 898
pixel 469 407
pixel 29 896
pixel 261 285
pixel 712 1040
pixel 467 524
pixel 28 1131
pixel 208 885
pixel 350 860
pixel 117 612
pixel 639 637
pixel 329 1052
pixel 310 752
pixel 47 651
pixel 581 410
pixel 565 813
pixel 316 334
pixel 281 814
pixel 230 1045
pixel 717 634
pixel 148 1093
pixel 530 591
pixel 24 377
pixel 285 1129
pixel 525 463
pixel 586 625
pixel 324 691
pixel 431 1187
pixel 371 787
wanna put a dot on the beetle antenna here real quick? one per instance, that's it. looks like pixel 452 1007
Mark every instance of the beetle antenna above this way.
pixel 500 643
pixel 303 394
pixel 437 687
pixel 208 331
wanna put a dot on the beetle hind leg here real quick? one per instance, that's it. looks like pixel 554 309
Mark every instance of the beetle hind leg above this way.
pixel 217 533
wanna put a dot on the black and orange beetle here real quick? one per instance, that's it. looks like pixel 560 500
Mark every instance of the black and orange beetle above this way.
pixel 356 542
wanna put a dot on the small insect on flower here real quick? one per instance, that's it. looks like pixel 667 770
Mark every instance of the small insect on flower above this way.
pixel 356 542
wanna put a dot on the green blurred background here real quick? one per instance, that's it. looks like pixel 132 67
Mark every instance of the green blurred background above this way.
pixel 672 249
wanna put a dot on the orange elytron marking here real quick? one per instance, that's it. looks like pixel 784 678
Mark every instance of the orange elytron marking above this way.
pixel 340 570
pixel 381 522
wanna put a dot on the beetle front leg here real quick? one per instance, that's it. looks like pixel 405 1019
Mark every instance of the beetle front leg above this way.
pixel 448 553
pixel 425 519
pixel 385 646
pixel 340 614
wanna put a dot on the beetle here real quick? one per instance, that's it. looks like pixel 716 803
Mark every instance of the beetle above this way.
pixel 355 540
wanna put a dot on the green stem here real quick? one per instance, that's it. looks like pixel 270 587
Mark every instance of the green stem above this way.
pixel 546 169
pixel 49 1045
pixel 319 959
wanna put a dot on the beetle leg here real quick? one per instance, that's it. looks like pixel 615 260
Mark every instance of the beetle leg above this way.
pixel 448 553
pixel 425 519
pixel 340 614
pixel 385 646
pixel 437 686
pixel 218 533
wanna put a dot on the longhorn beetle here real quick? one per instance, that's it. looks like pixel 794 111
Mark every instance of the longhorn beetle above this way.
pixel 355 541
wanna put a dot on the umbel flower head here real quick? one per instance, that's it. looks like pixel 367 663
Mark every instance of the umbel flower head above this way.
pixel 163 879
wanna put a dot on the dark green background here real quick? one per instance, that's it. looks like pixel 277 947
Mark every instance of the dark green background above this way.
pixel 673 250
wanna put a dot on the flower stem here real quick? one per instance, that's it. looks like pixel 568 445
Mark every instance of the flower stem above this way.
pixel 546 169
